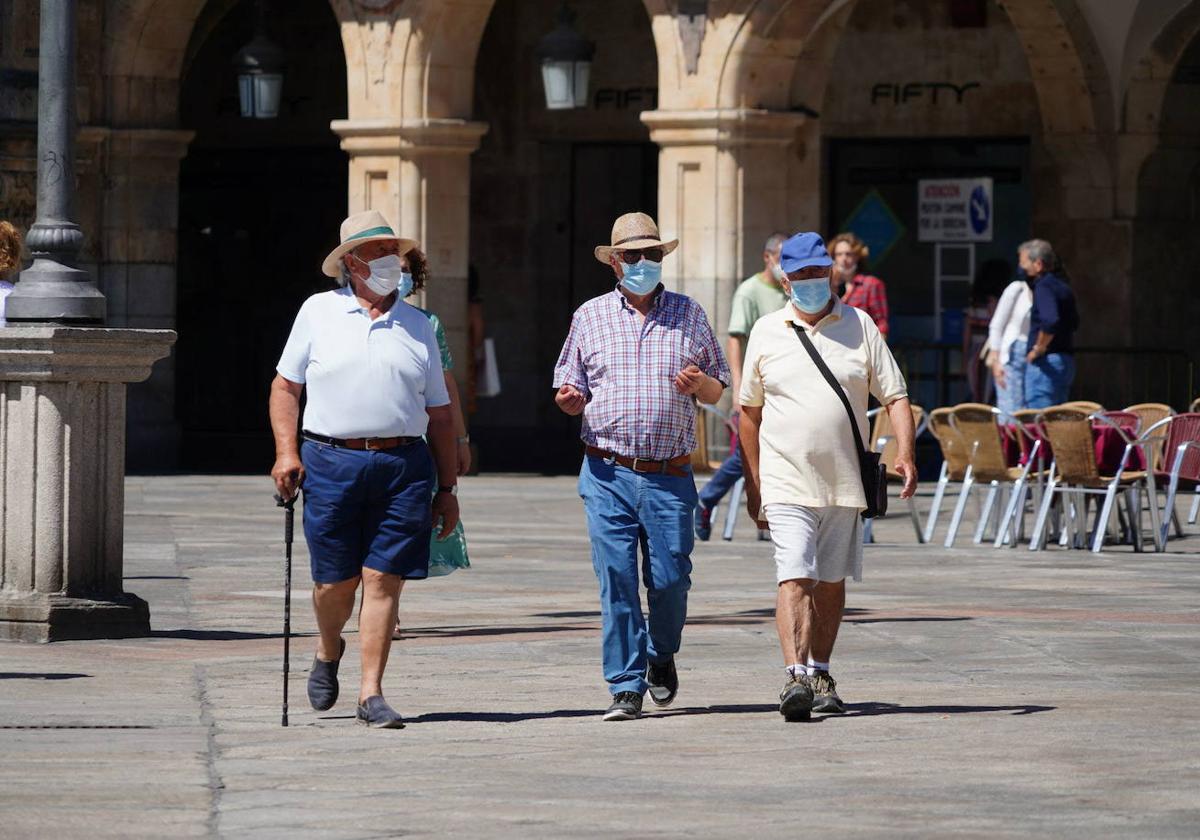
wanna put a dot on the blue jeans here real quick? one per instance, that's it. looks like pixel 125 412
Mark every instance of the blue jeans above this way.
pixel 723 479
pixel 628 511
pixel 1048 379
pixel 1011 397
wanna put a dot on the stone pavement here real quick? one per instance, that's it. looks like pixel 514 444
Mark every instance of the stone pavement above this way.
pixel 991 694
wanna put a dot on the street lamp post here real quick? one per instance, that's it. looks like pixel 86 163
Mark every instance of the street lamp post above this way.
pixel 54 288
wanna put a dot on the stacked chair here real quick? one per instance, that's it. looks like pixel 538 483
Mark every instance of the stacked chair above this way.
pixel 1075 475
pixel 980 429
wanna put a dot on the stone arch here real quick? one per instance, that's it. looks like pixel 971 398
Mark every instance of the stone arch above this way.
pixel 414 61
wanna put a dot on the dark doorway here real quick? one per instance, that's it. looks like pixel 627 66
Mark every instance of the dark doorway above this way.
pixel 546 187
pixel 260 205
pixel 927 342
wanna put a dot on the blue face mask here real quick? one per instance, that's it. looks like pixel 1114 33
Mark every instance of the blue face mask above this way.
pixel 811 296
pixel 404 287
pixel 643 278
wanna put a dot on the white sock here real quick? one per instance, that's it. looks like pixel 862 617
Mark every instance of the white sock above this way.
pixel 814 665
pixel 797 670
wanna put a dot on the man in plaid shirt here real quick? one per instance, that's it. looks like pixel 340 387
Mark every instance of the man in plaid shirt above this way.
pixel 634 362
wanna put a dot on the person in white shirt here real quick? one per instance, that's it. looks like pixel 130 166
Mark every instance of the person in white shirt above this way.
pixel 1008 335
pixel 373 374
pixel 803 479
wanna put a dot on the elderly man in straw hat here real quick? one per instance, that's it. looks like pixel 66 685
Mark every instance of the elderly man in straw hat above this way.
pixel 634 362
pixel 372 369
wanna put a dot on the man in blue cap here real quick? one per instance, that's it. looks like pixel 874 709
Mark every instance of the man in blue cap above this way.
pixel 802 468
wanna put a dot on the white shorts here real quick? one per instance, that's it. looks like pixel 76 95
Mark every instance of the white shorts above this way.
pixel 818 543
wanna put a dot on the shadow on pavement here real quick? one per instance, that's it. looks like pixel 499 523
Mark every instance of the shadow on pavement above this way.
pixel 20 675
pixel 872 709
pixel 218 635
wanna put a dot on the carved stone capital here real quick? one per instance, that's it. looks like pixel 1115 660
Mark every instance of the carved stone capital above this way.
pixel 409 138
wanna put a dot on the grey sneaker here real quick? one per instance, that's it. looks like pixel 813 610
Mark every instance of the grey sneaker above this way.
pixel 825 696
pixel 663 682
pixel 626 705
pixel 796 699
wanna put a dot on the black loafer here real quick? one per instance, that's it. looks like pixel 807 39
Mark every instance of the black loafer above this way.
pixel 323 682
pixel 377 714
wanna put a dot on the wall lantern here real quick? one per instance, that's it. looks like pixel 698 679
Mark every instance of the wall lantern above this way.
pixel 259 67
pixel 566 59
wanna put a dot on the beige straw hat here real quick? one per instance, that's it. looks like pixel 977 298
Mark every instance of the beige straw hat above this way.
pixel 368 226
pixel 633 231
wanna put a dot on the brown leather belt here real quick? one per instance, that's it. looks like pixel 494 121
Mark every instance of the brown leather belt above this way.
pixel 372 444
pixel 675 466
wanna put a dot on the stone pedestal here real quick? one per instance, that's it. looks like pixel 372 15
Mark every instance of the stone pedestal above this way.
pixel 62 503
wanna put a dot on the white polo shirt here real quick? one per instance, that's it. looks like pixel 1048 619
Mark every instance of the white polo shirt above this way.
pixel 364 378
pixel 806 448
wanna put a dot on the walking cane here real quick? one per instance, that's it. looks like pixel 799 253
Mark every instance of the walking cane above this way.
pixel 288 517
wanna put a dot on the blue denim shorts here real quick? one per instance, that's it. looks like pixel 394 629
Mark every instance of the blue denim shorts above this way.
pixel 364 508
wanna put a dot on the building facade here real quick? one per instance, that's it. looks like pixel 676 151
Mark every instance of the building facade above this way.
pixel 727 119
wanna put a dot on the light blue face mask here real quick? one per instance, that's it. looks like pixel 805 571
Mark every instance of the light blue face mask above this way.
pixel 404 287
pixel 811 296
pixel 643 278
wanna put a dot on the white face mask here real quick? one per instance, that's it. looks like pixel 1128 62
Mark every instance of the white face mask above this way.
pixel 778 273
pixel 386 272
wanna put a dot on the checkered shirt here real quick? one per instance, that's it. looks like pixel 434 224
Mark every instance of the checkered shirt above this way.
pixel 626 366
pixel 870 296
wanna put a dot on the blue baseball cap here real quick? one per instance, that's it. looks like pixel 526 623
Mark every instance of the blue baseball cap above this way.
pixel 804 250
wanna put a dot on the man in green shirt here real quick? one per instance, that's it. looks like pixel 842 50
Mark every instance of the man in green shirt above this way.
pixel 757 295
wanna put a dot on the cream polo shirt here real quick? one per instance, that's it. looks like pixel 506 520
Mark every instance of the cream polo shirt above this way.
pixel 806 447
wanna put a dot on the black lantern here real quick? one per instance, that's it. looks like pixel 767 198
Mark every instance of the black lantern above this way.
pixel 566 58
pixel 259 67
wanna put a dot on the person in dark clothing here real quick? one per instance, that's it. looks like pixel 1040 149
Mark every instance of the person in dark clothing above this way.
pixel 1053 320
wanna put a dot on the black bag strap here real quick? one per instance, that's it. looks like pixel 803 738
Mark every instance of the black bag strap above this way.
pixel 833 383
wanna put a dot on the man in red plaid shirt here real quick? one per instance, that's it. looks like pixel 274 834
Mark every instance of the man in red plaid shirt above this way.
pixel 862 291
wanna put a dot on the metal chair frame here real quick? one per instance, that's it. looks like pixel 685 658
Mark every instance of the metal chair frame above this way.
pixel 1012 488
pixel 1177 450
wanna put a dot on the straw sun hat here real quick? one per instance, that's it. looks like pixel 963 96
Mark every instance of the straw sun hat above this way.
pixel 368 226
pixel 631 232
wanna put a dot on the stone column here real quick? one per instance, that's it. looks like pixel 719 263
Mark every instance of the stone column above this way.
pixel 138 274
pixel 418 174
pixel 62 452
pixel 722 189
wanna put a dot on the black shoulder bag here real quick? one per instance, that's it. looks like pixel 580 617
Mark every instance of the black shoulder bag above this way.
pixel 874 474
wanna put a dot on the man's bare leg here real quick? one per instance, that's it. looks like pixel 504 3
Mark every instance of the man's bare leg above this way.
pixel 333 604
pixel 827 604
pixel 793 619
pixel 376 619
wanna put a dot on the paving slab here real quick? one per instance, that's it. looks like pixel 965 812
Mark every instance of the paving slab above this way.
pixel 991 693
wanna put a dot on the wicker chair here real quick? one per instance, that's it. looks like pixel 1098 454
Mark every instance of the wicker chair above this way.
pixel 883 441
pixel 1086 406
pixel 1076 475
pixel 1183 453
pixel 1149 414
pixel 954 463
pixel 979 428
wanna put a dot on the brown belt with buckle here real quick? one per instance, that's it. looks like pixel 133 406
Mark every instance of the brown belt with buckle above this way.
pixel 372 444
pixel 674 466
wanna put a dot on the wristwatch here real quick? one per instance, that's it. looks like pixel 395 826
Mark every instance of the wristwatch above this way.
pixel 452 489
pixel 463 439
